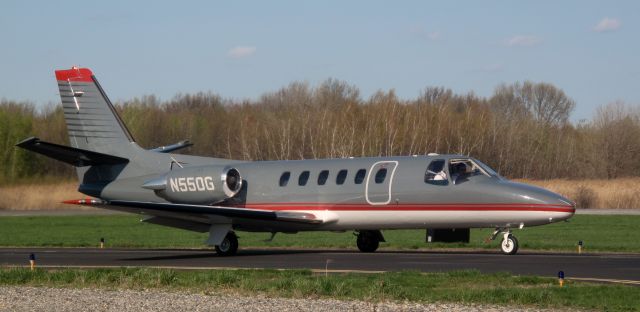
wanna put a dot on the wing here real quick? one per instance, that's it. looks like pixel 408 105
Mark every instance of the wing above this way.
pixel 231 212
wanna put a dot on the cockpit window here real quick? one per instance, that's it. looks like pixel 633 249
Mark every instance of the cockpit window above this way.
pixel 464 169
pixel 435 173
pixel 486 168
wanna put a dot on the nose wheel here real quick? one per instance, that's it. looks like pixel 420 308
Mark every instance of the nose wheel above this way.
pixel 509 244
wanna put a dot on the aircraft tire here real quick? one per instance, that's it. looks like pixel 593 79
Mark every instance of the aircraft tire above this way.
pixel 509 246
pixel 229 245
pixel 367 242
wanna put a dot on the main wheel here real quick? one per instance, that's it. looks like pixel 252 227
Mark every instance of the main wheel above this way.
pixel 367 241
pixel 509 245
pixel 229 245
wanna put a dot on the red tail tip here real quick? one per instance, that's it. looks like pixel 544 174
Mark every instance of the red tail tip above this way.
pixel 85 201
pixel 74 74
pixel 72 202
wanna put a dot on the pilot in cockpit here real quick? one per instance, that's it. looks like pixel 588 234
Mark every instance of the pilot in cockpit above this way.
pixel 459 173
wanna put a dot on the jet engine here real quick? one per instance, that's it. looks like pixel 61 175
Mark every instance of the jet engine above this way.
pixel 200 185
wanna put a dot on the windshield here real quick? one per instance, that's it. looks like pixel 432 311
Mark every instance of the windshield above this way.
pixel 486 168
pixel 466 169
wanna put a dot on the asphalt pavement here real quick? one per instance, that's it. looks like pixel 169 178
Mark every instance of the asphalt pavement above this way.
pixel 613 267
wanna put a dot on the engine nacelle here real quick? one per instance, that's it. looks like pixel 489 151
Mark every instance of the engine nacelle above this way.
pixel 201 185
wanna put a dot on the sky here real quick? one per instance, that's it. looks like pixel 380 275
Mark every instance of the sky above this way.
pixel 242 49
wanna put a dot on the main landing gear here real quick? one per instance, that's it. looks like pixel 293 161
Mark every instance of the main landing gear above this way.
pixel 369 240
pixel 228 246
pixel 509 245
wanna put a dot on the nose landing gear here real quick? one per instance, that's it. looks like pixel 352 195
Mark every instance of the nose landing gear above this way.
pixel 509 245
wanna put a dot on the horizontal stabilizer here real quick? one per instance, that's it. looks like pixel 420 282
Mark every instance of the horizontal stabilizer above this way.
pixel 172 147
pixel 74 156
pixel 231 212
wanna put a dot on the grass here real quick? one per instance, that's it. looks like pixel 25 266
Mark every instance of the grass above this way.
pixel 599 234
pixel 468 287
pixel 34 196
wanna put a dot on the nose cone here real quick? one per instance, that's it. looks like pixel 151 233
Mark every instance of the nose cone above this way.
pixel 559 207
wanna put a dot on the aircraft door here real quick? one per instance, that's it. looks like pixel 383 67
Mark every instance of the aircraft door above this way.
pixel 379 182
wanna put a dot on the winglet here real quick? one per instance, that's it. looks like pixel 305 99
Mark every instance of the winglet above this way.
pixel 74 74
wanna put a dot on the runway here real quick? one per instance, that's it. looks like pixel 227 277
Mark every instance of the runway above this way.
pixel 596 266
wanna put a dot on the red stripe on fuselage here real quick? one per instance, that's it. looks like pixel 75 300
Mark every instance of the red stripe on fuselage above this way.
pixel 408 207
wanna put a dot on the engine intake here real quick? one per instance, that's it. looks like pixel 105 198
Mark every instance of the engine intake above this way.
pixel 232 182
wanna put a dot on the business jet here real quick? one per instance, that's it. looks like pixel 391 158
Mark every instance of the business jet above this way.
pixel 446 194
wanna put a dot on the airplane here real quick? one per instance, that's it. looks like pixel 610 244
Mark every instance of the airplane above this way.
pixel 446 194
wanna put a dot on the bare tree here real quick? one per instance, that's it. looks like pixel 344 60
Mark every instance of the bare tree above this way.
pixel 547 103
pixel 508 102
pixel 618 139
pixel 543 101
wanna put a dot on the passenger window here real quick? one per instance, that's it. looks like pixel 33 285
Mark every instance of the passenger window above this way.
pixel 303 178
pixel 323 176
pixel 435 173
pixel 284 178
pixel 360 176
pixel 342 176
pixel 380 175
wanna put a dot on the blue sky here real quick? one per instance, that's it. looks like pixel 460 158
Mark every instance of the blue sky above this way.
pixel 242 49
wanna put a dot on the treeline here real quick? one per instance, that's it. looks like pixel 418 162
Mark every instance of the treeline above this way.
pixel 522 130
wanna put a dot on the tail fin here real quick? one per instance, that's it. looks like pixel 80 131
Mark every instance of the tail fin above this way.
pixel 102 149
pixel 92 122
pixel 103 144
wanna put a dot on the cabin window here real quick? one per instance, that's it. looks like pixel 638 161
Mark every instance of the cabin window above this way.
pixel 284 178
pixel 380 175
pixel 435 173
pixel 303 178
pixel 342 176
pixel 360 176
pixel 322 177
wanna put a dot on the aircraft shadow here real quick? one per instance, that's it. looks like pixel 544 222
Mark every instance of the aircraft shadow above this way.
pixel 207 253
pixel 210 254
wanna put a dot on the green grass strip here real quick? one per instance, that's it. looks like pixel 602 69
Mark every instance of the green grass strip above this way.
pixel 469 287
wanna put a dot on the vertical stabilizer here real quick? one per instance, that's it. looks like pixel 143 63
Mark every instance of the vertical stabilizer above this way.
pixel 92 122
